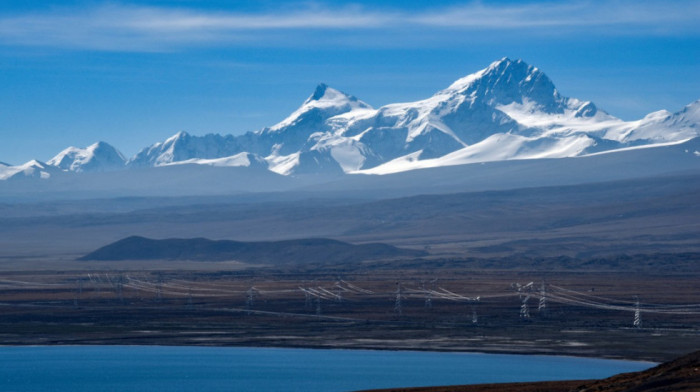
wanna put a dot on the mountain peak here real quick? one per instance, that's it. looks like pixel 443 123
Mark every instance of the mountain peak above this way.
pixel 98 145
pixel 517 70
pixel 323 104
pixel 325 96
pixel 33 163
pixel 319 92
pixel 31 169
pixel 507 110
pixel 507 61
pixel 102 147
pixel 512 70
pixel 99 156
pixel 691 111
pixel 506 81
pixel 177 136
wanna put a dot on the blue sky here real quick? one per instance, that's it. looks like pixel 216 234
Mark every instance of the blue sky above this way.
pixel 133 73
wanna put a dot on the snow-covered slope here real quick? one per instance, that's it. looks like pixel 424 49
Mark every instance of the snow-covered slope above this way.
pixel 499 147
pixel 285 145
pixel 323 104
pixel 300 143
pixel 183 146
pixel 467 112
pixel 508 111
pixel 672 159
pixel 95 158
pixel 31 169
pixel 510 147
pixel 661 126
pixel 243 159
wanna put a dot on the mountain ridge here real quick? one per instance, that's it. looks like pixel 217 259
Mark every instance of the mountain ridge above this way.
pixel 508 110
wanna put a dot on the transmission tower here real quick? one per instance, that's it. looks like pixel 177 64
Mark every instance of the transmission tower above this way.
pixel 398 309
pixel 524 309
pixel 429 293
pixel 338 291
pixel 542 307
pixel 250 298
pixel 159 289
pixel 522 289
pixel 637 314
pixel 118 285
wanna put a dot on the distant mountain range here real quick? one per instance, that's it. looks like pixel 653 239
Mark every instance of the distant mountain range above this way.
pixel 507 111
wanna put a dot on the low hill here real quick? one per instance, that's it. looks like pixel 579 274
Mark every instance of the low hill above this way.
pixel 312 250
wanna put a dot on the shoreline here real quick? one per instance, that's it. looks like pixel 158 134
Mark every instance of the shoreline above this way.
pixel 355 348
pixel 433 369
pixel 678 374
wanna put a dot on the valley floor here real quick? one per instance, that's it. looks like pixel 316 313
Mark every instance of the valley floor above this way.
pixel 584 312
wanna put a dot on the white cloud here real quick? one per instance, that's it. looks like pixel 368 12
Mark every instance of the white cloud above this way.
pixel 124 27
pixel 565 14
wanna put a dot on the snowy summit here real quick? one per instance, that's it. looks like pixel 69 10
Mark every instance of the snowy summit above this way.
pixel 97 157
pixel 509 110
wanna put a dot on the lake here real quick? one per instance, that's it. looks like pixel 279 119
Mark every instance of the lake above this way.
pixel 157 368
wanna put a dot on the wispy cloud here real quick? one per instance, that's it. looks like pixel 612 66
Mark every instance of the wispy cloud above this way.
pixel 128 27
pixel 613 13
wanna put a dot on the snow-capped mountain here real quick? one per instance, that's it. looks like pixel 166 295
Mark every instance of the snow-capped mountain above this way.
pixel 661 126
pixel 31 169
pixel 466 113
pixel 300 143
pixel 182 146
pixel 98 157
pixel 286 146
pixel 509 110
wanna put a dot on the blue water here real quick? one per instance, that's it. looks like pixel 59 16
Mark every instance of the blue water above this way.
pixel 153 368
